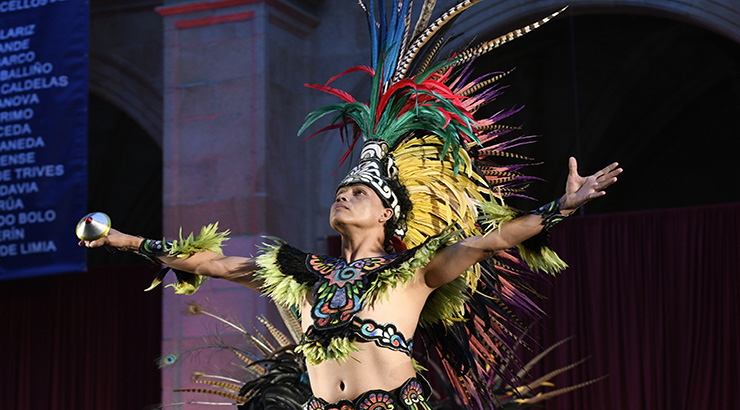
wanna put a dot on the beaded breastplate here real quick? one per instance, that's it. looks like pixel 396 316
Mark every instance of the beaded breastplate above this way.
pixel 340 294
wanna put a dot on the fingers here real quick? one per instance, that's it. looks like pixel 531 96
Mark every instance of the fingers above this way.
pixel 92 244
pixel 608 171
pixel 583 189
pixel 572 166
pixel 607 179
pixel 600 187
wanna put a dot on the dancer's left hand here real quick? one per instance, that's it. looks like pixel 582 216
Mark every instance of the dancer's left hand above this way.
pixel 579 190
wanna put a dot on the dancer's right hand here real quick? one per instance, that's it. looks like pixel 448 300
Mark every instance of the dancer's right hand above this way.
pixel 115 239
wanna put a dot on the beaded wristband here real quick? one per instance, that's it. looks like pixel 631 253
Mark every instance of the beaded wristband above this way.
pixel 550 214
pixel 152 249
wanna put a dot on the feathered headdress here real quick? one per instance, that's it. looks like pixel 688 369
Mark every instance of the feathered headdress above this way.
pixel 420 112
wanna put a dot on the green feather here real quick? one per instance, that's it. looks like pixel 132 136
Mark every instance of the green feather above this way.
pixel 390 278
pixel 208 239
pixel 187 283
pixel 494 213
pixel 339 349
pixel 446 303
pixel 319 113
pixel 543 260
pixel 279 286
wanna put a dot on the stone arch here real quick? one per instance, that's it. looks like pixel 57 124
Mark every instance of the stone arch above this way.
pixel 722 16
pixel 125 176
pixel 120 83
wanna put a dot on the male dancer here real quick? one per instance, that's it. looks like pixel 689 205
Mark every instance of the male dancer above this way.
pixel 359 216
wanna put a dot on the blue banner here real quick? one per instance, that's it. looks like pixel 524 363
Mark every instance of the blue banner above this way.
pixel 43 135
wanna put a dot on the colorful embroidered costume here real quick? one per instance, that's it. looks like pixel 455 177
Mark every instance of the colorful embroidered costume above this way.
pixel 339 290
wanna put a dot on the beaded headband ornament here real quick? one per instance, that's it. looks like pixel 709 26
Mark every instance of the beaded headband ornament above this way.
pixel 375 170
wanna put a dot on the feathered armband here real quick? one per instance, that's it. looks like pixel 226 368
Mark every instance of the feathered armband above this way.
pixel 536 251
pixel 187 282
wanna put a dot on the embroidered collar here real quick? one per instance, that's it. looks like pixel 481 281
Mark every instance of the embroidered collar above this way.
pixel 342 286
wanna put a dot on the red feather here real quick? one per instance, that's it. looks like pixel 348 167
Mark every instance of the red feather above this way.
pixel 389 93
pixel 398 245
pixel 327 128
pixel 446 114
pixel 345 96
pixel 346 154
pixel 350 70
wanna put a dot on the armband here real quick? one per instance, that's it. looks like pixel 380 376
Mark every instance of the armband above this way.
pixel 152 249
pixel 550 214
pixel 187 283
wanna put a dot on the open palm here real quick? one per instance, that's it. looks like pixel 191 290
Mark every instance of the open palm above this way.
pixel 579 190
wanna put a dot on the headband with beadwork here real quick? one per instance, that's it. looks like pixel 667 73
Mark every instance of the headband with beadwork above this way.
pixel 376 170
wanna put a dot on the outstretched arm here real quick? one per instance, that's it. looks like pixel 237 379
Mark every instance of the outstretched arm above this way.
pixel 208 263
pixel 453 260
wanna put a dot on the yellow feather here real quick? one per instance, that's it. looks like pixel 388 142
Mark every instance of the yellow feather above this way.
pixel 441 198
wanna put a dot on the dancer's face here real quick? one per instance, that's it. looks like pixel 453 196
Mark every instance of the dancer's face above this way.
pixel 359 206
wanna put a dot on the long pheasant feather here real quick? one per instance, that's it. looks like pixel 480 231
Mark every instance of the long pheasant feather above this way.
pixel 424 16
pixel 278 335
pixel 237 398
pixel 234 388
pixel 428 33
pixel 483 48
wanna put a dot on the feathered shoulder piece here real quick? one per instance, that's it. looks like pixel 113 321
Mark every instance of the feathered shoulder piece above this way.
pixel 283 273
pixel 421 134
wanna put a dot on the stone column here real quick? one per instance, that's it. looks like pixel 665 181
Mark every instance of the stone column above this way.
pixel 225 104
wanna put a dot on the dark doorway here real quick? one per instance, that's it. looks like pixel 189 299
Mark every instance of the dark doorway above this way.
pixel 658 95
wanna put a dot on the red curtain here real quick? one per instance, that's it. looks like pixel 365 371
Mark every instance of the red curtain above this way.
pixel 652 299
pixel 80 341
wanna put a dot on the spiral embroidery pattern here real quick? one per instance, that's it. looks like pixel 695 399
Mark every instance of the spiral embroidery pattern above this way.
pixel 383 335
pixel 338 296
